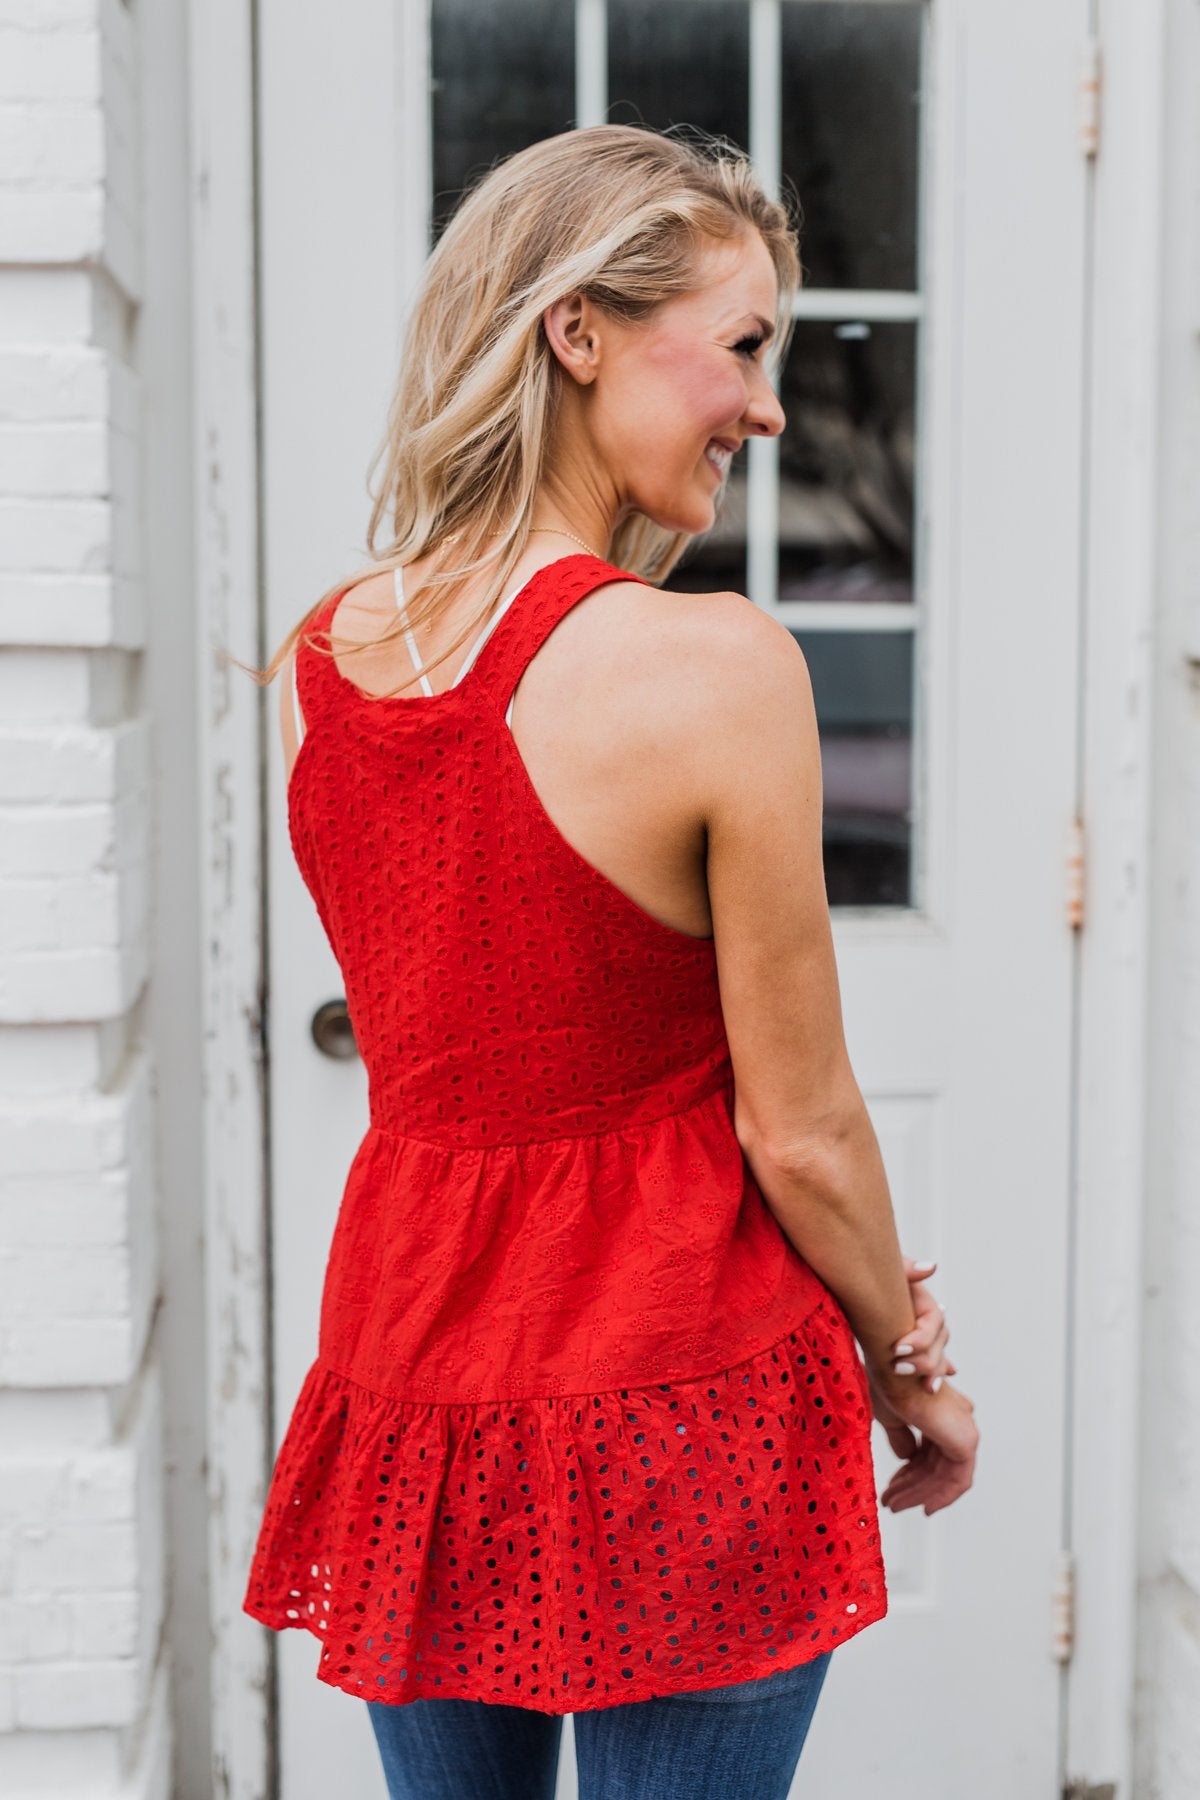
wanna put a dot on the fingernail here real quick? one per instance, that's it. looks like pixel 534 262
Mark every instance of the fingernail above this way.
pixel 902 1350
pixel 924 1262
pixel 936 1383
pixel 905 1368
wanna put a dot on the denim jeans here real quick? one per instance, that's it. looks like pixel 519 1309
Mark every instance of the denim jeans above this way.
pixel 740 1742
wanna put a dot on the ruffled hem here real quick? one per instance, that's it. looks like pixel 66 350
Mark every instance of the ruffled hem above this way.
pixel 574 1552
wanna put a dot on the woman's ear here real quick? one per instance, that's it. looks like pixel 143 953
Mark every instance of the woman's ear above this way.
pixel 572 331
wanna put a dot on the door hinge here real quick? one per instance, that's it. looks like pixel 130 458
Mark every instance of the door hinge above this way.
pixel 1064 1606
pixel 1075 873
pixel 1089 1790
pixel 1088 97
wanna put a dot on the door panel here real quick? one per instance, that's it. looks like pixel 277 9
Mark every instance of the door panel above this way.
pixel 917 529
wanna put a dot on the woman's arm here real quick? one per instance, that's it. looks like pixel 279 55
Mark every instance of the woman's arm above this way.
pixel 799 1114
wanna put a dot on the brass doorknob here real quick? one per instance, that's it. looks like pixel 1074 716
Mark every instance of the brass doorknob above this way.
pixel 332 1031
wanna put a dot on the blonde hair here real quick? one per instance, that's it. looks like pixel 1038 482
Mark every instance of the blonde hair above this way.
pixel 619 213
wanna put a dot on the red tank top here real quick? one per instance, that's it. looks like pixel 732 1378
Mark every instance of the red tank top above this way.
pixel 582 1427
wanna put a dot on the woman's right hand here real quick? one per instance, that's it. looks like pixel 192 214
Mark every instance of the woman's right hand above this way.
pixel 935 1436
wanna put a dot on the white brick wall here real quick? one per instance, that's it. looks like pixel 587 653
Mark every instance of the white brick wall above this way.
pixel 83 1585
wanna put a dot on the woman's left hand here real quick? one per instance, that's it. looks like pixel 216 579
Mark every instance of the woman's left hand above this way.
pixel 922 1351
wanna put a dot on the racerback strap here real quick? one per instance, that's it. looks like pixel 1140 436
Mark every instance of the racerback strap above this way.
pixel 546 598
pixel 519 633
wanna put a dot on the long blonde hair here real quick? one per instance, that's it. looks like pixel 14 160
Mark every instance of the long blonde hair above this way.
pixel 616 212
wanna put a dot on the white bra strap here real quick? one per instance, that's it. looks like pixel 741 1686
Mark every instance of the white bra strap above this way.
pixel 487 631
pixel 476 647
pixel 296 703
pixel 410 640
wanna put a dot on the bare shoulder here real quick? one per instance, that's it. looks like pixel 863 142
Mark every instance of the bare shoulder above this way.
pixel 367 607
pixel 720 653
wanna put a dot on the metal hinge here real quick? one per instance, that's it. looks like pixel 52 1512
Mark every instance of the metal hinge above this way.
pixel 1075 874
pixel 1088 92
pixel 1063 1600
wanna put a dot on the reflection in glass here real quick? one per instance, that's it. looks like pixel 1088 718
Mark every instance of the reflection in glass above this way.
pixel 850 106
pixel 863 691
pixel 676 62
pixel 846 462
pixel 503 77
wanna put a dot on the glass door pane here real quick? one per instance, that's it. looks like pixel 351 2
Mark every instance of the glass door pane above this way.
pixel 671 65
pixel 821 526
pixel 849 130
pixel 503 76
pixel 846 463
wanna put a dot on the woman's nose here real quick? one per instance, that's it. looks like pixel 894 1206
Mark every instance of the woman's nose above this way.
pixel 764 415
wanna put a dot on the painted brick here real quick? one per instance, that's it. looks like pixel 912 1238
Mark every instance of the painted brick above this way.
pixel 43 384
pixel 53 65
pixel 94 1764
pixel 70 914
pixel 83 1680
pixel 63 763
pixel 46 1060
pixel 74 839
pixel 100 1555
pixel 61 1765
pixel 74 876
pixel 57 1422
pixel 64 536
pixel 48 15
pixel 103 1624
pixel 53 985
pixel 88 1583
pixel 52 1353
pixel 49 306
pixel 83 1133
pixel 91 1284
pixel 37 1630
pixel 86 1214
pixel 73 1694
pixel 51 144
pixel 44 686
pixel 39 460
pixel 87 1303
pixel 68 609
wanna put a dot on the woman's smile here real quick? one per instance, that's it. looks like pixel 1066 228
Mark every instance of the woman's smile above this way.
pixel 718 454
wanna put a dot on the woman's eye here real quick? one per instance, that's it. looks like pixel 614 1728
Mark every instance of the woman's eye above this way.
pixel 748 346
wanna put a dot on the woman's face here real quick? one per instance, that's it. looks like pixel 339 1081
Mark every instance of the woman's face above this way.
pixel 662 405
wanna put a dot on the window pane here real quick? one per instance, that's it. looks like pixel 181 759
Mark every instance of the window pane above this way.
pixel 846 463
pixel 718 560
pixel 862 688
pixel 503 77
pixel 850 115
pixel 680 62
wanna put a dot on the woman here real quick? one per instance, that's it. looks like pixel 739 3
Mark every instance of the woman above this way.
pixel 587 1430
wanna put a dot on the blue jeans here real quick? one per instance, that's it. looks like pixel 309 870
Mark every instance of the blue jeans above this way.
pixel 728 1743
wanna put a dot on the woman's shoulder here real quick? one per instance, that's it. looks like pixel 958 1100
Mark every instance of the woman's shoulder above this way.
pixel 721 635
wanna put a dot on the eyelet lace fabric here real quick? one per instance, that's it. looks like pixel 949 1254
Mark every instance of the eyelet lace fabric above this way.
pixel 582 1427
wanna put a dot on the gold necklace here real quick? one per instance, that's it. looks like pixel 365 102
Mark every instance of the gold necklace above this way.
pixel 561 531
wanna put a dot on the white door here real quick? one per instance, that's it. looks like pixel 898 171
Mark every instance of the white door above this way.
pixel 918 528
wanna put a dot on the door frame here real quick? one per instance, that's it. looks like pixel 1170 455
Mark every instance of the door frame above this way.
pixel 232 721
pixel 1124 349
pixel 1115 605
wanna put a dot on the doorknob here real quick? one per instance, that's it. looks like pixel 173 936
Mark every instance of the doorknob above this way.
pixel 332 1031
